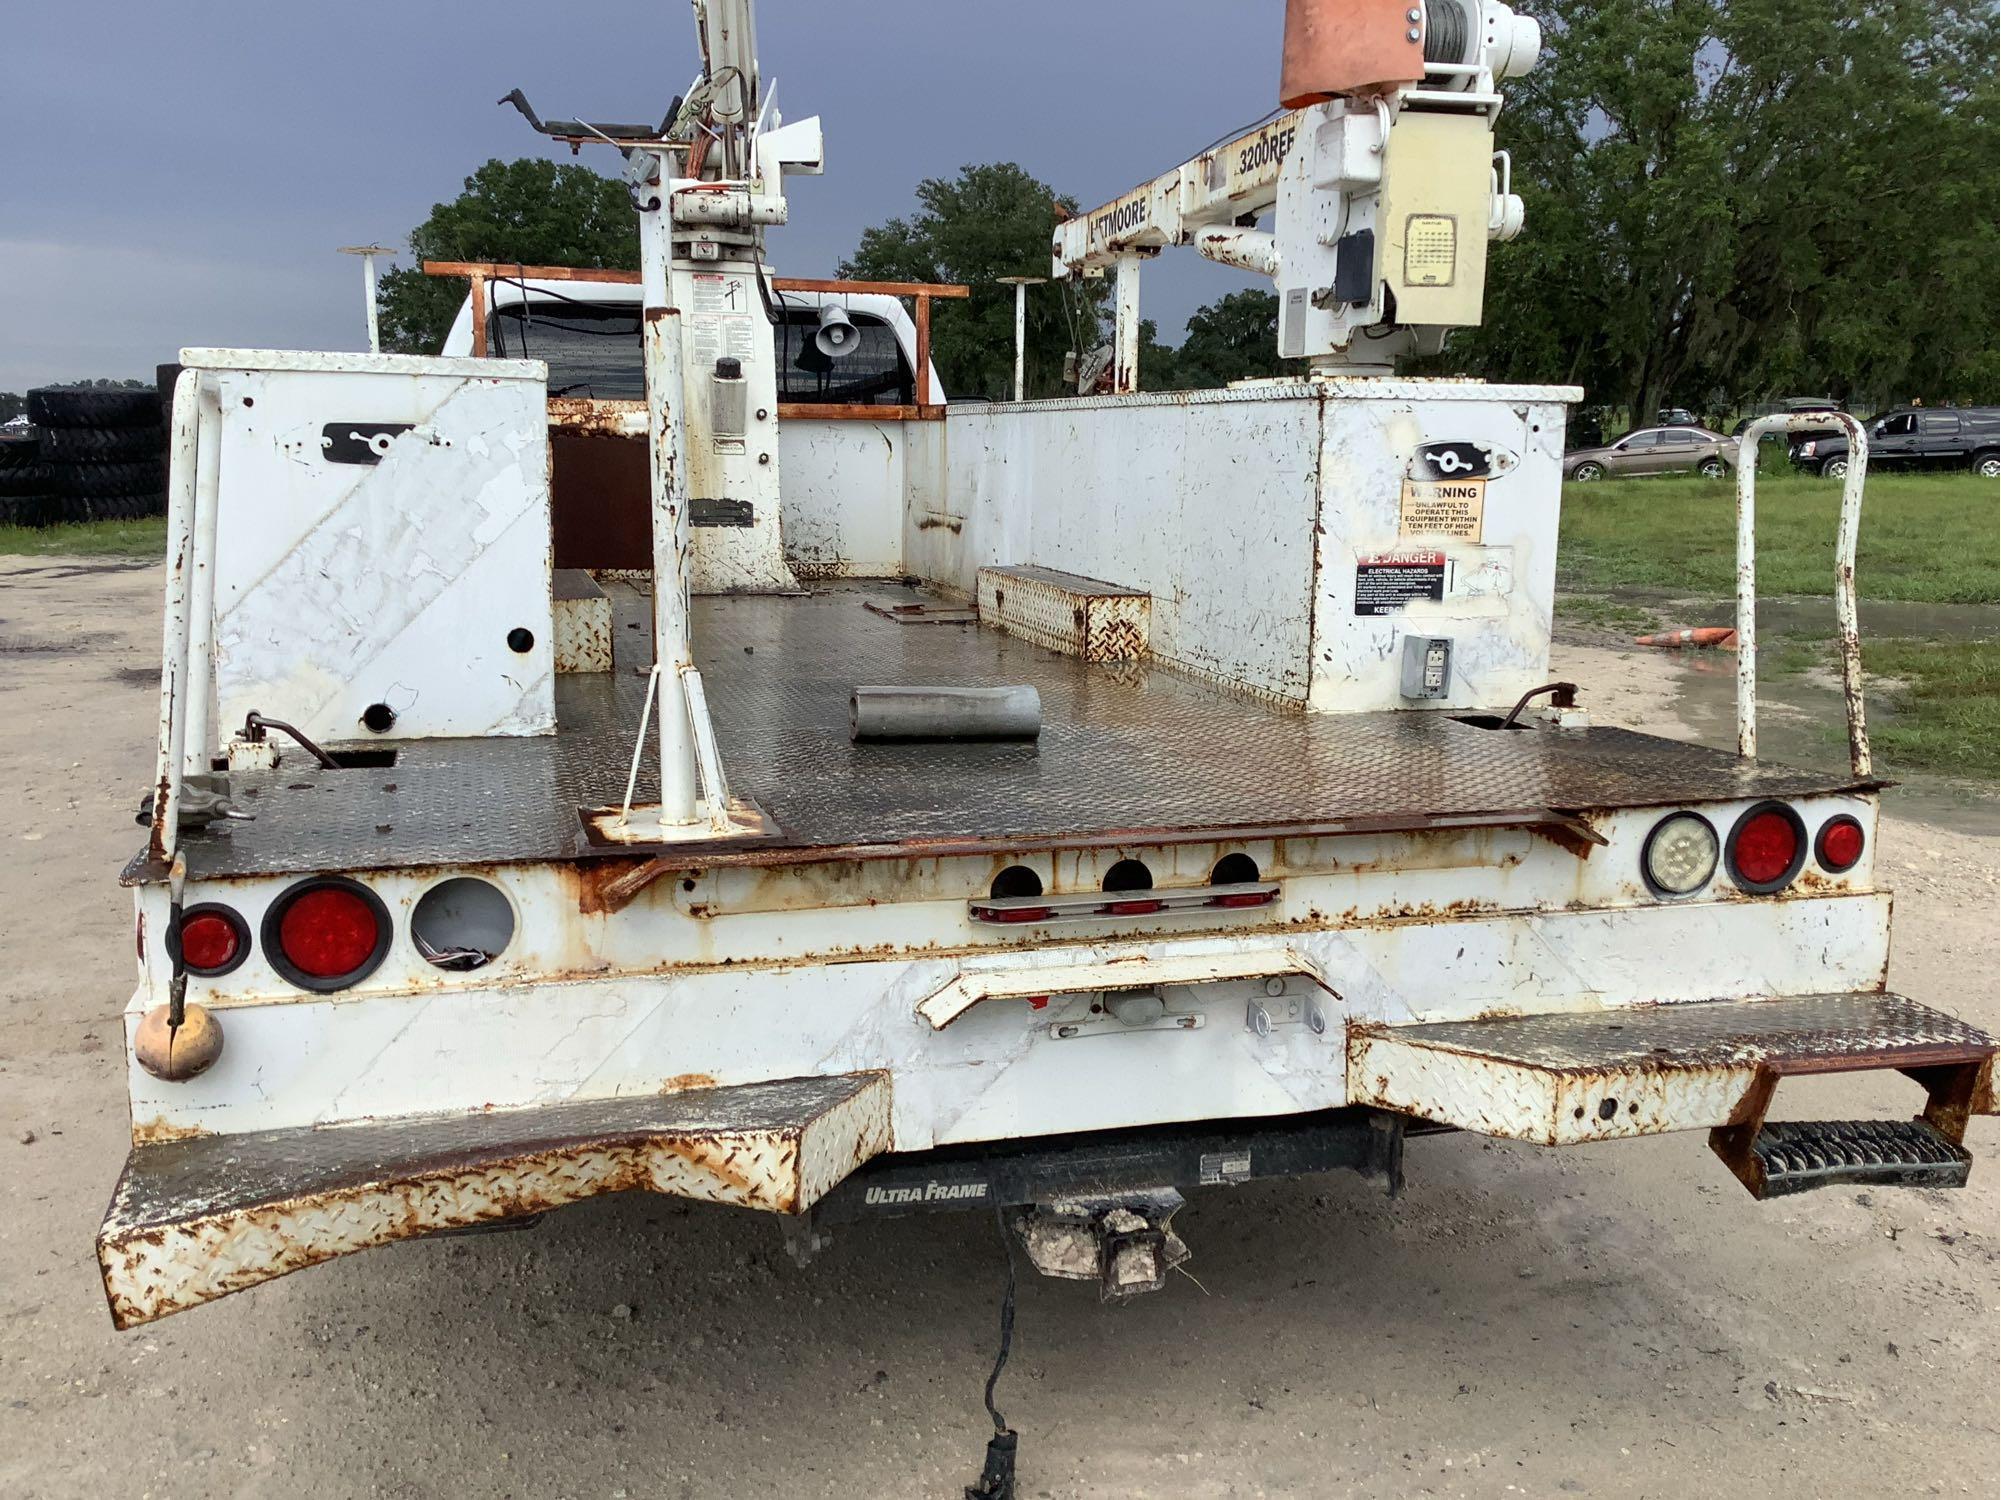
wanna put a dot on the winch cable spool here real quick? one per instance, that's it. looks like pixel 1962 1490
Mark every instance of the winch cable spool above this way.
pixel 997 1473
pixel 1446 32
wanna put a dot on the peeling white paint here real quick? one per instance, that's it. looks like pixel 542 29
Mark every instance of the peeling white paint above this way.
pixel 342 585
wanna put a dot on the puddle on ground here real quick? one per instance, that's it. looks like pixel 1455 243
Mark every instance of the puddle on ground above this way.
pixel 1800 715
pixel 1800 722
pixel 1885 618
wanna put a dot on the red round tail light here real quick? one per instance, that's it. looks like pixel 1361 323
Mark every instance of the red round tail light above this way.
pixel 326 934
pixel 1839 847
pixel 213 940
pixel 1766 848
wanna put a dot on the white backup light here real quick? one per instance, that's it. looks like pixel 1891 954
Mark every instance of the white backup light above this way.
pixel 1681 854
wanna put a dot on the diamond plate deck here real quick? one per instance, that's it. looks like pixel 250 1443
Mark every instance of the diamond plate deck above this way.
pixel 1127 751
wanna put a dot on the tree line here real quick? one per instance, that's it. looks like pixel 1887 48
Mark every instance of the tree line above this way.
pixel 1727 200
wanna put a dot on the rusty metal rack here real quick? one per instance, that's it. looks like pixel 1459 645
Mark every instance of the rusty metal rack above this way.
pixel 1129 754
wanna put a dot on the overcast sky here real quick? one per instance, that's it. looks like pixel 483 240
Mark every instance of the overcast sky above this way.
pixel 181 174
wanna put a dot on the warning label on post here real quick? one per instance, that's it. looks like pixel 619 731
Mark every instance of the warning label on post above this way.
pixel 720 319
pixel 1443 507
pixel 1386 581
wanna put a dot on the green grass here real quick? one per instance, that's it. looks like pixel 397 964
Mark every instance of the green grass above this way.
pixel 1589 611
pixel 142 539
pixel 1947 715
pixel 1793 656
pixel 1928 538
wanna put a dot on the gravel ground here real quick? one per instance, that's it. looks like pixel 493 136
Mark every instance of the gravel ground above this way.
pixel 1617 1320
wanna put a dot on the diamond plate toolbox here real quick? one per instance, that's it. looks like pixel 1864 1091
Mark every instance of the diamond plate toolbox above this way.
pixel 1082 617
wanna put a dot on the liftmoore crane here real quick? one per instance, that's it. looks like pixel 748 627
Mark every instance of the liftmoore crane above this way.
pixel 1380 179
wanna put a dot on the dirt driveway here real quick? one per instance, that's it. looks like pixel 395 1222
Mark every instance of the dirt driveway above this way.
pixel 1618 1320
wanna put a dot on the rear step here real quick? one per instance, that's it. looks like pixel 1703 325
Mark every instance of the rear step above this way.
pixel 1798 1157
pixel 1599 1075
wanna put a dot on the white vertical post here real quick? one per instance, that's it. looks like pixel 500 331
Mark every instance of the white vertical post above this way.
pixel 198 738
pixel 1021 284
pixel 368 293
pixel 368 254
pixel 174 638
pixel 1020 337
pixel 1125 327
pixel 1850 624
pixel 1846 619
pixel 1747 590
pixel 667 445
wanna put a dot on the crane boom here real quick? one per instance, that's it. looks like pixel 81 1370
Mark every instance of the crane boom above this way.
pixel 1383 190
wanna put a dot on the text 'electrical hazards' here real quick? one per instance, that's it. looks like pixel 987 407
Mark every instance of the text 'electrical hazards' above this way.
pixel 1386 581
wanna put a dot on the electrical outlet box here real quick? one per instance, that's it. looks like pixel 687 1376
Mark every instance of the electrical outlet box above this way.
pixel 1427 666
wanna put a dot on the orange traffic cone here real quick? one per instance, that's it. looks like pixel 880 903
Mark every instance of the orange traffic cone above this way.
pixel 1720 637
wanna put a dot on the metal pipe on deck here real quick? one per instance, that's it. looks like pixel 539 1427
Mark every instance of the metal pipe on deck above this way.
pixel 945 713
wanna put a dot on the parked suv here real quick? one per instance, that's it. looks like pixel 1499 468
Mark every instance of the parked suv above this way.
pixel 1921 437
pixel 1655 450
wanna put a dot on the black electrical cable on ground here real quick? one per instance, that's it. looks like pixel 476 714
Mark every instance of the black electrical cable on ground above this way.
pixel 997 1474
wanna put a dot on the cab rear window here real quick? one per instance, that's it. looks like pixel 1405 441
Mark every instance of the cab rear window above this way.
pixel 594 351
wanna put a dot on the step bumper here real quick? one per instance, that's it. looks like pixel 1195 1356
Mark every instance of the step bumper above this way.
pixel 197 1219
pixel 1564 1079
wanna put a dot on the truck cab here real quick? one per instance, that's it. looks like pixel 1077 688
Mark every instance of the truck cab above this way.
pixel 587 333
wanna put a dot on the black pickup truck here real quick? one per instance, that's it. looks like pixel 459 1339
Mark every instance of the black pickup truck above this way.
pixel 1921 437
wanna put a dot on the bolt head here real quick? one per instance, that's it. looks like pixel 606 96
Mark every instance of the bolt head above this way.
pixel 1412 34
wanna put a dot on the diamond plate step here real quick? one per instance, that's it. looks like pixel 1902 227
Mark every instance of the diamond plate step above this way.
pixel 196 1219
pixel 1800 1156
pixel 1640 1070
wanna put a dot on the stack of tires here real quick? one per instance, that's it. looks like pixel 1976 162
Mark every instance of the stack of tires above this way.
pixel 102 455
pixel 24 483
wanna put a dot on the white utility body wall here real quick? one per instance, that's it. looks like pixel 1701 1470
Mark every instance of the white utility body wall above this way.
pixel 1290 534
pixel 402 578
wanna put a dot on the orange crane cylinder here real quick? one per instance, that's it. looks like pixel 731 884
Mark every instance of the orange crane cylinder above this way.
pixel 1349 47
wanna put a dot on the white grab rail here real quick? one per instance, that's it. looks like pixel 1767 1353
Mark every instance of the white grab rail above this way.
pixel 1844 578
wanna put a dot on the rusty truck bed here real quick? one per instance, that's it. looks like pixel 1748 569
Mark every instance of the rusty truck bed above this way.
pixel 1128 754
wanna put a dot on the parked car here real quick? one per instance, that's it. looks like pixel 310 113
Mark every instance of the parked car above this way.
pixel 1790 406
pixel 1655 450
pixel 1675 416
pixel 1921 437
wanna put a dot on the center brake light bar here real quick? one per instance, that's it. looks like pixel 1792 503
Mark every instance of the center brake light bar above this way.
pixel 1098 906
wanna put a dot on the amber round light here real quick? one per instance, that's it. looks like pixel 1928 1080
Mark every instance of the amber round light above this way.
pixel 326 933
pixel 1840 845
pixel 1767 847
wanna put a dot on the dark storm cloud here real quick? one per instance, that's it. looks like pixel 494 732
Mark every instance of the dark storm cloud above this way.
pixel 182 174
